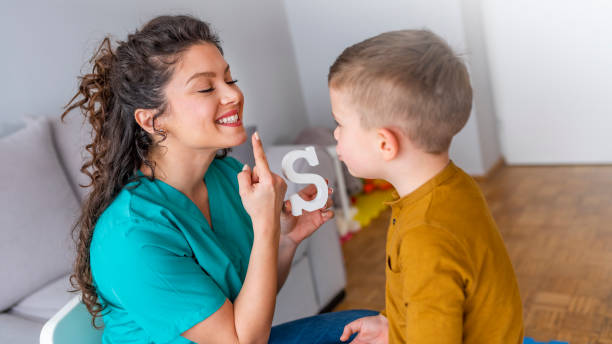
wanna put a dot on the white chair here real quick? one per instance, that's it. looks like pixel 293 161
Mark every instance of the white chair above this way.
pixel 71 325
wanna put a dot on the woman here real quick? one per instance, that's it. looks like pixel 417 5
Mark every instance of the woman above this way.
pixel 177 243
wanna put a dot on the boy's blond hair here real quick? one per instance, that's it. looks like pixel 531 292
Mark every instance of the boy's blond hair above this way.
pixel 409 79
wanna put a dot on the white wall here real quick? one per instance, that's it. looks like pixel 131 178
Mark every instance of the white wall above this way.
pixel 263 40
pixel 551 70
pixel 481 84
pixel 322 29
pixel 46 43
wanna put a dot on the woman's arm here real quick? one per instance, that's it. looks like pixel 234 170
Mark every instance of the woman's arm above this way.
pixel 254 307
pixel 286 251
pixel 249 318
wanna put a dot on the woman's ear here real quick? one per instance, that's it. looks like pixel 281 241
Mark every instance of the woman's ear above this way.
pixel 388 143
pixel 144 118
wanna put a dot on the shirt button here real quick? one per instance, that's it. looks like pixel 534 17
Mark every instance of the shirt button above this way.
pixel 394 221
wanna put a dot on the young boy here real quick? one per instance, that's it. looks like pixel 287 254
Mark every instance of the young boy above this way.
pixel 398 99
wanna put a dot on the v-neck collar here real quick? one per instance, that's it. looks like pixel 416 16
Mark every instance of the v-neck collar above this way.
pixel 187 202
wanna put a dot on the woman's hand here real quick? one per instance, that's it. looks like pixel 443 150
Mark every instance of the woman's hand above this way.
pixel 262 192
pixel 298 228
pixel 372 330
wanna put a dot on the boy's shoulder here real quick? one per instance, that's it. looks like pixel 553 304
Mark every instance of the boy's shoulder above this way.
pixel 457 200
pixel 452 210
pixel 452 195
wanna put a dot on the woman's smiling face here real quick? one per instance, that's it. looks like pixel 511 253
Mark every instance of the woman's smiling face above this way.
pixel 204 103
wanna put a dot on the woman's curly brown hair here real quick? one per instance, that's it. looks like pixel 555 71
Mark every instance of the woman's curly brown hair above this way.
pixel 132 76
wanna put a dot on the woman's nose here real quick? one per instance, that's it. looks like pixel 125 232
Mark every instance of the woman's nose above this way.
pixel 231 94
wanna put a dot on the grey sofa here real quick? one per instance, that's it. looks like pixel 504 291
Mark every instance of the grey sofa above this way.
pixel 40 199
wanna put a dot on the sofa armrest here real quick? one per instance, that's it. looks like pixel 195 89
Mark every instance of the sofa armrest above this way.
pixel 327 262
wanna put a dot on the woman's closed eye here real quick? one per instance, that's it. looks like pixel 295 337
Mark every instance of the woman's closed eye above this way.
pixel 208 90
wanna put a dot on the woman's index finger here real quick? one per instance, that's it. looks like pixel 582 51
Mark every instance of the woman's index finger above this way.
pixel 259 154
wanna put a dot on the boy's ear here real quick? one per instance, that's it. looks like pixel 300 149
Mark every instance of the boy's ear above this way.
pixel 388 143
pixel 144 118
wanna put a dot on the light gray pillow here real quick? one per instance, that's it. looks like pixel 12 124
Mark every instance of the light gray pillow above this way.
pixel 8 127
pixel 38 209
pixel 45 302
pixel 70 138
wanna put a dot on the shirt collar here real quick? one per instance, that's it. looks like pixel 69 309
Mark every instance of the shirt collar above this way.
pixel 424 189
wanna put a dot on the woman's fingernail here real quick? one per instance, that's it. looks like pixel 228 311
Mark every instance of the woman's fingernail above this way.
pixel 256 136
pixel 245 167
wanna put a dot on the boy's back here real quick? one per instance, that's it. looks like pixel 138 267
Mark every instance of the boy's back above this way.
pixel 449 277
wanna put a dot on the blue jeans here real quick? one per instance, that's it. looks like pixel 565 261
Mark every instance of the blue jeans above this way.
pixel 319 329
pixel 327 329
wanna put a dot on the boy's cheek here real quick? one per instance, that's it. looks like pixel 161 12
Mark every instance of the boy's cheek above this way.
pixel 354 168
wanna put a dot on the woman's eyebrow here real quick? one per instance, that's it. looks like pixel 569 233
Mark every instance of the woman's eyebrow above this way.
pixel 205 74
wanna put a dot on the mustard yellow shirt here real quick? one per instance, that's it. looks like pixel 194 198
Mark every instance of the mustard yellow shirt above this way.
pixel 448 276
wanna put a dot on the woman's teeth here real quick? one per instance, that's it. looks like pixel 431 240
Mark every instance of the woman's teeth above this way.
pixel 230 119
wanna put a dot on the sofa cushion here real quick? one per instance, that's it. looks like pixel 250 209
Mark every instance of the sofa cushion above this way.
pixel 8 127
pixel 17 330
pixel 45 302
pixel 70 138
pixel 38 209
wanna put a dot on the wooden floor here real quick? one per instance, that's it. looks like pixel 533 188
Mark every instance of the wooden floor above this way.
pixel 557 225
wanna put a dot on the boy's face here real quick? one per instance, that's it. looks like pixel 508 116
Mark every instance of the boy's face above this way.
pixel 356 145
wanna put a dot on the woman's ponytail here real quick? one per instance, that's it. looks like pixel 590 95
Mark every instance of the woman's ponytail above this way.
pixel 95 99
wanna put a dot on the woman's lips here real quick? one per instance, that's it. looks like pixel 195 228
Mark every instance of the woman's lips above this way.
pixel 230 119
pixel 227 114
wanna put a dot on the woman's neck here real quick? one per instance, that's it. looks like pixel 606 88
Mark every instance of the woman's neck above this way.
pixel 183 169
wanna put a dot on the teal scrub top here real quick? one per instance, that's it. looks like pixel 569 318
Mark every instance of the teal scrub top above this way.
pixel 159 267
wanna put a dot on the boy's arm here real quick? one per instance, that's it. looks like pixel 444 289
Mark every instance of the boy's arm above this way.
pixel 434 271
